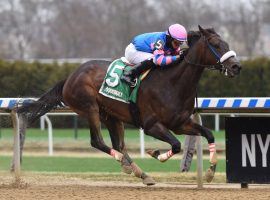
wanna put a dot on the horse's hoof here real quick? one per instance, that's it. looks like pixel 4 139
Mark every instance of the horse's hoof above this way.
pixel 154 153
pixel 148 180
pixel 210 173
pixel 126 169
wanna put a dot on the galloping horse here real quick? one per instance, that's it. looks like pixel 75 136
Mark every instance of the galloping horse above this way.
pixel 165 100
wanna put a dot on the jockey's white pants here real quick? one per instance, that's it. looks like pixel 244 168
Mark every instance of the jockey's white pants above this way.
pixel 134 56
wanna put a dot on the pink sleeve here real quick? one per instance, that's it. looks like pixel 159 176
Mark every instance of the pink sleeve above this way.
pixel 162 60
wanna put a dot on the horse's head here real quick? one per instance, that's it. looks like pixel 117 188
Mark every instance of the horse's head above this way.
pixel 215 51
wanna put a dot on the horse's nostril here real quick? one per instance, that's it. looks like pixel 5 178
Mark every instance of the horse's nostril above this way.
pixel 236 68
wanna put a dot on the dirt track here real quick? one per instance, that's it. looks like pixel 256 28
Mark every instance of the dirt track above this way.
pixel 39 187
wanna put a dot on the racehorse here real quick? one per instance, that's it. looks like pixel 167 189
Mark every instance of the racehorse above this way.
pixel 165 101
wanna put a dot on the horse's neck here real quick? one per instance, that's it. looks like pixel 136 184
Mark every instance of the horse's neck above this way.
pixel 185 77
pixel 186 74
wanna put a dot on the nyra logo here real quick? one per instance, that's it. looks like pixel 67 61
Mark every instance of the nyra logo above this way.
pixel 254 148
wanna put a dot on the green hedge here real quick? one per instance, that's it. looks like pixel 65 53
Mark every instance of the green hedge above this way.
pixel 254 80
pixel 21 79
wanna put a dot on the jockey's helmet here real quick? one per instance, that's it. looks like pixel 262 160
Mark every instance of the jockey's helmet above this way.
pixel 177 32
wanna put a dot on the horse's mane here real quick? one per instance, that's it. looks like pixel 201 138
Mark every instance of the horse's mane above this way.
pixel 194 36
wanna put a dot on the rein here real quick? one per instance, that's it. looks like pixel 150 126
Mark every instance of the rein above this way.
pixel 211 67
pixel 220 59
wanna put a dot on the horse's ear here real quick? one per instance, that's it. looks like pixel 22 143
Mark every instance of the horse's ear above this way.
pixel 200 28
pixel 203 31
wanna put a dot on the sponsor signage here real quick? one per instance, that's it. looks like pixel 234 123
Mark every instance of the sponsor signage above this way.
pixel 247 149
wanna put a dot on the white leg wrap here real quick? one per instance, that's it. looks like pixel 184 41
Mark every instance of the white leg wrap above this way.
pixel 165 156
pixel 117 155
pixel 213 154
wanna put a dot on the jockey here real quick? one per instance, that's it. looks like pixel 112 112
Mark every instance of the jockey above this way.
pixel 154 49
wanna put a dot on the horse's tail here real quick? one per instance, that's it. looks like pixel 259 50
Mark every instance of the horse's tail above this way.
pixel 48 101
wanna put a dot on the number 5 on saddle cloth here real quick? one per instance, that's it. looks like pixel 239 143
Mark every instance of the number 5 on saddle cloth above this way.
pixel 114 88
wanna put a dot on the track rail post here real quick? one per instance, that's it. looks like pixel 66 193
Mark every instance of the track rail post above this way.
pixel 50 135
pixel 188 151
pixel 197 118
pixel 16 145
pixel 142 145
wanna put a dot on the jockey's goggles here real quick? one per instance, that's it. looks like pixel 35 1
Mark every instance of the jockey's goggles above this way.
pixel 178 42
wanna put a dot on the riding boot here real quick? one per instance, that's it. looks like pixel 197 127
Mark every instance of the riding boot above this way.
pixel 130 76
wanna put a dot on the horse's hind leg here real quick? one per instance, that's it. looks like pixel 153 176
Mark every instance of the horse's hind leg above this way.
pixel 116 130
pixel 192 128
pixel 95 134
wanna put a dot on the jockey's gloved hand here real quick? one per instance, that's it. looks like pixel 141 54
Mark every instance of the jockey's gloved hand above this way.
pixel 181 55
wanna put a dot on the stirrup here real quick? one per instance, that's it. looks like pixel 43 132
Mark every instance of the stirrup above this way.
pixel 129 81
pixel 133 83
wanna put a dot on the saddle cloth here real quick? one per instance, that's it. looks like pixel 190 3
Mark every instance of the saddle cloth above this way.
pixel 112 86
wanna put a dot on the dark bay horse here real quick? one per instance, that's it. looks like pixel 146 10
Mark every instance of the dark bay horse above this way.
pixel 165 101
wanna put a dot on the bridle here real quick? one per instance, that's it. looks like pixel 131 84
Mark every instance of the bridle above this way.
pixel 220 59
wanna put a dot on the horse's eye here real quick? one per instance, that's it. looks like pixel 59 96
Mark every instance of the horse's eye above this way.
pixel 215 44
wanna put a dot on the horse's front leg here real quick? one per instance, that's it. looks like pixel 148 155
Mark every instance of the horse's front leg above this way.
pixel 160 132
pixel 192 128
